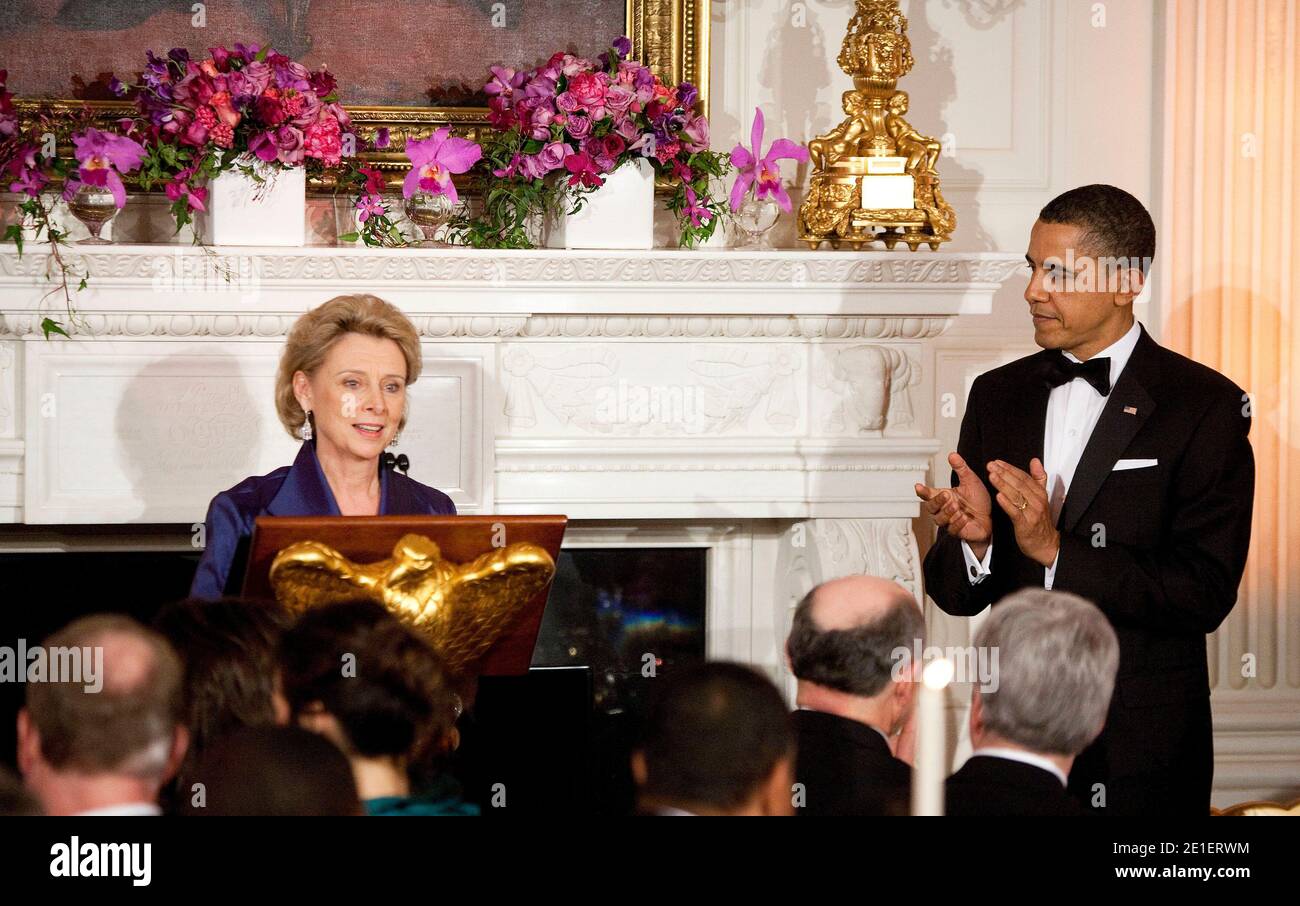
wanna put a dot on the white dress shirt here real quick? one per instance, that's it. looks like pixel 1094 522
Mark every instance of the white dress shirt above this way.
pixel 124 808
pixel 1072 412
pixel 1024 757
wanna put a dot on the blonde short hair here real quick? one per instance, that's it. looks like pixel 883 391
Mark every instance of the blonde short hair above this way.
pixel 316 332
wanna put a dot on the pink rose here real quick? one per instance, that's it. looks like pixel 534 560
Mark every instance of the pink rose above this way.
pixel 530 167
pixel 311 107
pixel 552 156
pixel 541 124
pixel 289 146
pixel 619 98
pixel 695 135
pixel 574 65
pixel 579 126
pixel 628 129
pixel 258 75
pixel 588 89
pixel 566 102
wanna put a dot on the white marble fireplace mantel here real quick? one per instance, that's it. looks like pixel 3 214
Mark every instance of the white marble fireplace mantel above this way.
pixel 662 384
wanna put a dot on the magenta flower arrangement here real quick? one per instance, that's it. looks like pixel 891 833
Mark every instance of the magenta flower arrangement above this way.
pixel 759 172
pixel 29 164
pixel 563 127
pixel 245 108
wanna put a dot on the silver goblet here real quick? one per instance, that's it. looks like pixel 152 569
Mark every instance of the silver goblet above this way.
pixel 94 206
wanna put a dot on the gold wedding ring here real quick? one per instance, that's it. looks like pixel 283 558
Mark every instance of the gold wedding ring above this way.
pixel 1023 505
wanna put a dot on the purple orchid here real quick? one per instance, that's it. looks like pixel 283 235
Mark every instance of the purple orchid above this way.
pixel 762 172
pixel 435 159
pixel 369 206
pixel 699 215
pixel 103 157
pixel 504 81
pixel 28 171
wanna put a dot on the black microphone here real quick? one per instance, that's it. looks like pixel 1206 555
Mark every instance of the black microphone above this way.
pixel 400 462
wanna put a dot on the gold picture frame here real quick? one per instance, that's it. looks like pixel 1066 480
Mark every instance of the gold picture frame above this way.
pixel 669 36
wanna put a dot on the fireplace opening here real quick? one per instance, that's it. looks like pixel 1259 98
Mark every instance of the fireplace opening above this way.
pixel 617 619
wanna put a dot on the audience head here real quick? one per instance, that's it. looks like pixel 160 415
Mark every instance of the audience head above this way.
pixel 717 740
pixel 272 770
pixel 107 740
pixel 353 672
pixel 229 651
pixel 1057 658
pixel 845 645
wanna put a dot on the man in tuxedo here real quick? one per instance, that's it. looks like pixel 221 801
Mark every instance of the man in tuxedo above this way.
pixel 849 648
pixel 1121 471
pixel 1056 671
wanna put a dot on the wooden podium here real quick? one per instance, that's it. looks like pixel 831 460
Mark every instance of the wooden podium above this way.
pixel 368 539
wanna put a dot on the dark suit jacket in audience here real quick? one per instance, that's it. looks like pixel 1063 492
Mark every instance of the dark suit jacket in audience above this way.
pixel 846 768
pixel 988 785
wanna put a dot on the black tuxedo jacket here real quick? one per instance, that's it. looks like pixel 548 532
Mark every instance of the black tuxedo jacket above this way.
pixel 1160 550
pixel 846 768
pixel 989 785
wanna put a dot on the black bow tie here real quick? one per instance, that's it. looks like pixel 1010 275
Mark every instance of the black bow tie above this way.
pixel 1058 370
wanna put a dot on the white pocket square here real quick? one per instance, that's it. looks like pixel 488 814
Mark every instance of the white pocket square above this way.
pixel 1123 464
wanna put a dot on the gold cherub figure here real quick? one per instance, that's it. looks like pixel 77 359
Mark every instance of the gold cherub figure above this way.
pixel 921 150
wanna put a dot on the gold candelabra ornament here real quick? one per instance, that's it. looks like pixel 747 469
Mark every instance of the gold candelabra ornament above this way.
pixel 873 175
pixel 462 609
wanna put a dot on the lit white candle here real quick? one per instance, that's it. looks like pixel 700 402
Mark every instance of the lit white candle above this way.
pixel 928 772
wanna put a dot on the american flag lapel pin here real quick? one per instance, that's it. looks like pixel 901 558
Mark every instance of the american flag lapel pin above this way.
pixel 1130 410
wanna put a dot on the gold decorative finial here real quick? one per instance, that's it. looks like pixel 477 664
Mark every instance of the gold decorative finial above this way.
pixel 462 609
pixel 874 171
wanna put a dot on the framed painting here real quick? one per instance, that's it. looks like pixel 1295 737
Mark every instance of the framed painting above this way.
pixel 406 65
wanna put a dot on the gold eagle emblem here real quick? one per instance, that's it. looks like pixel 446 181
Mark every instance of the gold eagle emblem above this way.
pixel 461 608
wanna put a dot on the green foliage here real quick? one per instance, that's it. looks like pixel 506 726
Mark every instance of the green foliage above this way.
pixel 703 166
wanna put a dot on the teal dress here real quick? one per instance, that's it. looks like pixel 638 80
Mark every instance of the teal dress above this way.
pixel 441 798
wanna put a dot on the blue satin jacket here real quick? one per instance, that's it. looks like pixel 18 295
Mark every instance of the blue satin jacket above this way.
pixel 296 490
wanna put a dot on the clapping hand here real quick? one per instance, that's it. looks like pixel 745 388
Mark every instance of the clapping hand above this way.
pixel 966 511
pixel 1023 496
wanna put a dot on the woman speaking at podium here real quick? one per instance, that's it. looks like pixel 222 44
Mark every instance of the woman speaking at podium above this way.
pixel 341 389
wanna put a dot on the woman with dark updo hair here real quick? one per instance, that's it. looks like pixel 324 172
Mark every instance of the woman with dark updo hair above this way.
pixel 376 688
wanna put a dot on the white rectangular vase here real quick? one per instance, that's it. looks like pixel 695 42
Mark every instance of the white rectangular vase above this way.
pixel 618 215
pixel 242 211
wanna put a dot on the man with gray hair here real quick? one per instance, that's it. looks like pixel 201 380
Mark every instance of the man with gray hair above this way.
pixel 854 695
pixel 105 749
pixel 1057 656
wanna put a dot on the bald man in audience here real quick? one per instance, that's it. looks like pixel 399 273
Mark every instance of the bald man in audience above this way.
pixel 1057 659
pixel 105 740
pixel 849 647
